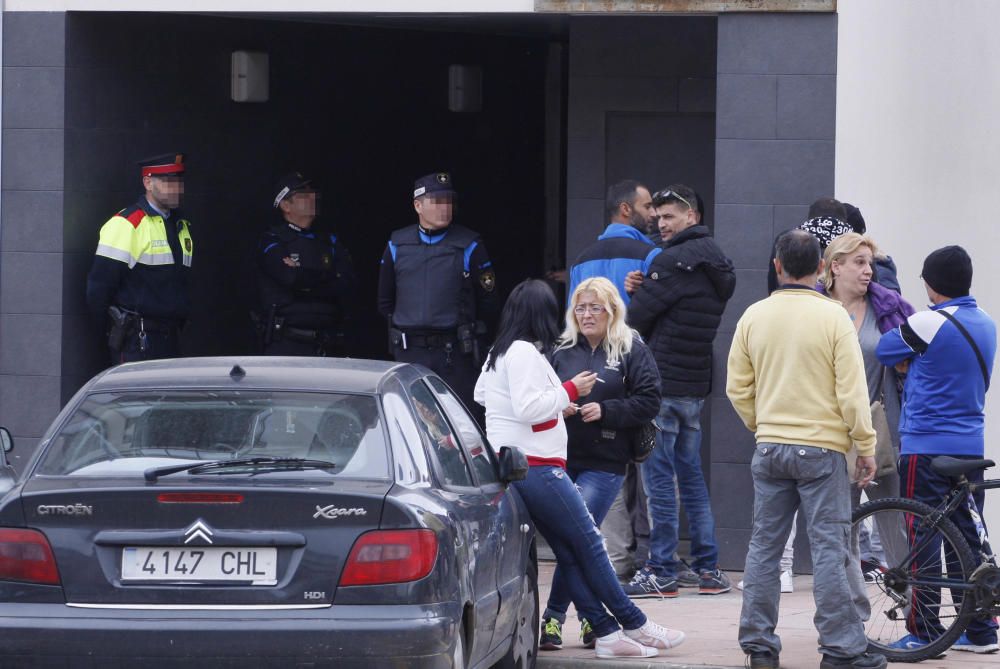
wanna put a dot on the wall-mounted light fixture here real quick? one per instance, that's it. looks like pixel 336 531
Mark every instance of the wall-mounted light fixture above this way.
pixel 465 88
pixel 250 75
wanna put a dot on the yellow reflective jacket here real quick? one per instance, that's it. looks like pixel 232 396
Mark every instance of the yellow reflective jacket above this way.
pixel 142 263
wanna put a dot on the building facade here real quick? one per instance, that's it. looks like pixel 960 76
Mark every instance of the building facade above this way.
pixel 742 105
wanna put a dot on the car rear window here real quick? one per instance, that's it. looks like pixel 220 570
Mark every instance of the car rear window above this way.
pixel 123 434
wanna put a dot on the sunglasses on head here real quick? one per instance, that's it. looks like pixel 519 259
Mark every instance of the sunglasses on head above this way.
pixel 671 195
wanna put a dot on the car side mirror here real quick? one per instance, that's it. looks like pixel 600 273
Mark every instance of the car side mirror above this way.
pixel 6 441
pixel 513 464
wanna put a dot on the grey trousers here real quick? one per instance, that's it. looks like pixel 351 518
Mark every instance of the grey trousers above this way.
pixel 813 481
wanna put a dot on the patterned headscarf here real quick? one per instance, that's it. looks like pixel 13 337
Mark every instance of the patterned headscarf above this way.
pixel 825 229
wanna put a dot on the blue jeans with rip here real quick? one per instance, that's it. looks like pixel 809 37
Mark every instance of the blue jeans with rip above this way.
pixel 677 460
pixel 561 516
pixel 598 490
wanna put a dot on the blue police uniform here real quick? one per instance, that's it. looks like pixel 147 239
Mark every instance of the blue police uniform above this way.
pixel 307 285
pixel 437 289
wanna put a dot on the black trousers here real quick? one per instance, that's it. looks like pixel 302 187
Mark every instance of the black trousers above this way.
pixel 163 343
pixel 459 371
pixel 918 481
pixel 289 347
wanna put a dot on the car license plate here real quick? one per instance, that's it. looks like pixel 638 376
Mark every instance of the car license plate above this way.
pixel 256 566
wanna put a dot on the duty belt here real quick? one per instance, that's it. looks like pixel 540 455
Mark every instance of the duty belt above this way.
pixel 410 339
pixel 300 334
pixel 157 325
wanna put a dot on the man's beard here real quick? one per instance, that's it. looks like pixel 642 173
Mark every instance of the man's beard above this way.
pixel 639 222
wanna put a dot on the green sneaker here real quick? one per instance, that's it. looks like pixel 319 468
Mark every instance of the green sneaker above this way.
pixel 551 638
pixel 587 635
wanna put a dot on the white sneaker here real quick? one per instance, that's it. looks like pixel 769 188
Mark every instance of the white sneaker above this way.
pixel 786 582
pixel 617 644
pixel 656 636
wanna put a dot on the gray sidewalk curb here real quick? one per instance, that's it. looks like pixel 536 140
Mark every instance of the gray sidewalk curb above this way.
pixel 548 662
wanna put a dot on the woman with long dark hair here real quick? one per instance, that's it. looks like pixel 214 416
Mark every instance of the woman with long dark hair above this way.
pixel 524 401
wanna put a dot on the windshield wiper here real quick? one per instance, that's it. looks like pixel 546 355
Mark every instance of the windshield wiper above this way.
pixel 265 463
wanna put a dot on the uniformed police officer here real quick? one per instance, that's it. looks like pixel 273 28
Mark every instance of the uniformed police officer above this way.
pixel 140 274
pixel 437 289
pixel 307 279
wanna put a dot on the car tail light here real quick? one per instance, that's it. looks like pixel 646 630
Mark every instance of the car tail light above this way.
pixel 390 556
pixel 25 555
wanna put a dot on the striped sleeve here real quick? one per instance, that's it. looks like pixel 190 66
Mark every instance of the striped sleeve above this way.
pixel 118 241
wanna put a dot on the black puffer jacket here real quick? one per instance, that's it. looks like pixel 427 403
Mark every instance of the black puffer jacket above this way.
pixel 678 307
pixel 629 396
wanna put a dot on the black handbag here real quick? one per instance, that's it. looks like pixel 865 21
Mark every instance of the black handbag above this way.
pixel 644 440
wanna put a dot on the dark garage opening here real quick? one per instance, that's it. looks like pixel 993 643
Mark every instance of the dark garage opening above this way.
pixel 363 110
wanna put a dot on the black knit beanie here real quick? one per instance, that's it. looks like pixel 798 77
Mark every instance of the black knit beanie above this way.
pixel 948 271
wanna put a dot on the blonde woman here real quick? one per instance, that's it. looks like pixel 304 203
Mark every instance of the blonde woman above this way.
pixel 874 310
pixel 626 394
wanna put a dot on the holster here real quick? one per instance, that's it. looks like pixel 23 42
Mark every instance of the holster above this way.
pixel 468 339
pixel 122 324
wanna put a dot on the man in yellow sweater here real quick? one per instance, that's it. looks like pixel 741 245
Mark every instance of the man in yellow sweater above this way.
pixel 797 380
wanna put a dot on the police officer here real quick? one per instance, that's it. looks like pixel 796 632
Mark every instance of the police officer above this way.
pixel 140 275
pixel 306 275
pixel 437 289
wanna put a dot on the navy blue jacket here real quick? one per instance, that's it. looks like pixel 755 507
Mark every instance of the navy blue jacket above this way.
pixel 944 393
pixel 629 396
pixel 617 252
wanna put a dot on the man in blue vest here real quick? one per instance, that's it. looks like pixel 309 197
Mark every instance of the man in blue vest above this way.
pixel 437 289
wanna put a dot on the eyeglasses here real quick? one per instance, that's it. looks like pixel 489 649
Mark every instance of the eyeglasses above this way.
pixel 671 195
pixel 594 309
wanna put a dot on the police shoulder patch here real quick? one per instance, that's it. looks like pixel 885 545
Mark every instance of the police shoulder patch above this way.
pixel 488 280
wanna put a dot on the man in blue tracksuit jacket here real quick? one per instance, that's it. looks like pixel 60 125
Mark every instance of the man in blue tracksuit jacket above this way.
pixel 623 246
pixel 942 414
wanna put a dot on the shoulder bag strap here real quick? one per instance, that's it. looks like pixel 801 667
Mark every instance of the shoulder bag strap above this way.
pixel 972 343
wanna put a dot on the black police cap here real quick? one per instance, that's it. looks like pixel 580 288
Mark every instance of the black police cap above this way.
pixel 289 184
pixel 436 183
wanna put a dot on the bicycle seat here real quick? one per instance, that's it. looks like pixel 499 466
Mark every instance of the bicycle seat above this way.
pixel 949 466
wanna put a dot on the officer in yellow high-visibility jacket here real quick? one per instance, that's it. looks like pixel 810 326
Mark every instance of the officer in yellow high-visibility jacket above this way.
pixel 139 279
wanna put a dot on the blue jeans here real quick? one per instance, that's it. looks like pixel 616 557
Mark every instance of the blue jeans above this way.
pixel 598 490
pixel 677 457
pixel 561 516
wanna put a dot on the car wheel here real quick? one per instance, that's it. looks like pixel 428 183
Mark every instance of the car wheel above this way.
pixel 523 649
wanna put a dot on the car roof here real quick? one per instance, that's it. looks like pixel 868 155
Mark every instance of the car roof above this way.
pixel 284 373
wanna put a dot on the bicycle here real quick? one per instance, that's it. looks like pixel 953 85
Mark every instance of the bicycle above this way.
pixel 935 586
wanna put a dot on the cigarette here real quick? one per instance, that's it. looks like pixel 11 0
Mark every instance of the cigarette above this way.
pixel 600 379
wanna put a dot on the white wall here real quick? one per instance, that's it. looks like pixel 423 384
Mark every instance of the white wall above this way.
pixel 918 143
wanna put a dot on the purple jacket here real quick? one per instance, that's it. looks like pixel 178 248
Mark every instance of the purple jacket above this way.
pixel 890 307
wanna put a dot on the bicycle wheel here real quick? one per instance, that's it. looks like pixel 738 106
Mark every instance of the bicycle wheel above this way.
pixel 921 586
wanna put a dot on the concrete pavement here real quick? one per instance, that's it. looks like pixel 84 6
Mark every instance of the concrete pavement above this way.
pixel 711 623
